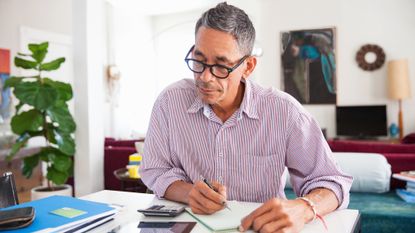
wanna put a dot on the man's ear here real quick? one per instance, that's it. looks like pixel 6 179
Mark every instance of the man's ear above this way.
pixel 250 66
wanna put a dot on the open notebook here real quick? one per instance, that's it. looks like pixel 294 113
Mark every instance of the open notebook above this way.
pixel 226 220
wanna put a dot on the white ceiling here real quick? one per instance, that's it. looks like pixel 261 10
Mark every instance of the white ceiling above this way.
pixel 157 7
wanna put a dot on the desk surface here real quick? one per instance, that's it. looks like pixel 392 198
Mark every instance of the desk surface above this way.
pixel 343 221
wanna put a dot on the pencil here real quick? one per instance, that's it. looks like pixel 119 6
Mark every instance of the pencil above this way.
pixel 211 187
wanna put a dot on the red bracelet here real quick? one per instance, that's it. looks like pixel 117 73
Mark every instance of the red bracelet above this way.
pixel 313 207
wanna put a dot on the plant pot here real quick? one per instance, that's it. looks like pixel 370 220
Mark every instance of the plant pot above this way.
pixel 42 191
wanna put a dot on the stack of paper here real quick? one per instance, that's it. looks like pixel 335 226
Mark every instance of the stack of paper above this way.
pixel 226 220
pixel 407 194
pixel 66 214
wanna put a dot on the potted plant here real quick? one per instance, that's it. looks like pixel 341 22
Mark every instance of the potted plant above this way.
pixel 42 111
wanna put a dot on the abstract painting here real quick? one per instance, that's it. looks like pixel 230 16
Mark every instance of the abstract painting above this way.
pixel 5 98
pixel 308 64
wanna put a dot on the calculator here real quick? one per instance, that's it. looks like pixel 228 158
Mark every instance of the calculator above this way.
pixel 162 210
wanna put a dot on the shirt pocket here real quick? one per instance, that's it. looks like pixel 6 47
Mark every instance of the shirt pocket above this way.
pixel 257 176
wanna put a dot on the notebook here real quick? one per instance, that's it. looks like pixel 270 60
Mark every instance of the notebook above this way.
pixel 226 220
pixel 47 219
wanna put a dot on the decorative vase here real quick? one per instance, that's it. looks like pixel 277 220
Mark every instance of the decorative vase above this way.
pixel 393 130
pixel 42 191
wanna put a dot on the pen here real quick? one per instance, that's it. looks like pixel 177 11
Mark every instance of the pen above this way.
pixel 211 187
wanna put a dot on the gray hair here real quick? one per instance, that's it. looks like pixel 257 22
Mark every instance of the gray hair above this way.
pixel 232 20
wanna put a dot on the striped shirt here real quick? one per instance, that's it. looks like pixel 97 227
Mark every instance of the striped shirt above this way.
pixel 248 153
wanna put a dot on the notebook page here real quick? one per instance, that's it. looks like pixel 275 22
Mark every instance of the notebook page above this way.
pixel 226 220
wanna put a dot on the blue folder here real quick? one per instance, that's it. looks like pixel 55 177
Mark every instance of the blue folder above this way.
pixel 44 219
pixel 405 195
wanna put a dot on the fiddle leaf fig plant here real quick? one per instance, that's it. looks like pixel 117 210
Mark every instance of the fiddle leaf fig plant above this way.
pixel 42 111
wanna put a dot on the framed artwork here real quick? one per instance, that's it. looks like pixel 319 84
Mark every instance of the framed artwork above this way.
pixel 308 65
pixel 5 97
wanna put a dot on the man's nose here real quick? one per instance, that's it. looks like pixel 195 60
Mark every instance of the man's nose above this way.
pixel 206 75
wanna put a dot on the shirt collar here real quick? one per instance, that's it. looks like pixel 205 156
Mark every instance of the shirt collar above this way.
pixel 197 103
pixel 248 105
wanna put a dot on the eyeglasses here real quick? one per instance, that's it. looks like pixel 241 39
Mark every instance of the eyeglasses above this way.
pixel 219 71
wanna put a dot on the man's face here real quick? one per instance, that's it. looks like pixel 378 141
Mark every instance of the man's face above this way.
pixel 216 47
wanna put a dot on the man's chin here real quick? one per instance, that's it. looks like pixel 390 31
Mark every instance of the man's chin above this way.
pixel 207 99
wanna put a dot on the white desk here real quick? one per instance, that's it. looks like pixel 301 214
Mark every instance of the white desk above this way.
pixel 343 221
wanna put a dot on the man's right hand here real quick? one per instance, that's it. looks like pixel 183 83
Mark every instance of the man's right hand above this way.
pixel 204 200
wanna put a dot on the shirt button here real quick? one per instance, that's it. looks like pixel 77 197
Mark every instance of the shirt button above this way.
pixel 220 179
pixel 220 154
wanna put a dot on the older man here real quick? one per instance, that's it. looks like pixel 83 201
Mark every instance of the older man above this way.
pixel 223 127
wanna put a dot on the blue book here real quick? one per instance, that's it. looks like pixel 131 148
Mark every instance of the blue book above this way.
pixel 405 195
pixel 410 184
pixel 61 213
pixel 410 190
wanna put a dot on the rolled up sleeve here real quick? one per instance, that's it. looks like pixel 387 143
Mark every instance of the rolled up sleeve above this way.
pixel 311 163
pixel 158 169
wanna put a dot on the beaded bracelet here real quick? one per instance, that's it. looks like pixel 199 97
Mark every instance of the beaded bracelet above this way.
pixel 313 208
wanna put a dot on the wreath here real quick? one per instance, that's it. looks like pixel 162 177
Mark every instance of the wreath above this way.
pixel 370 48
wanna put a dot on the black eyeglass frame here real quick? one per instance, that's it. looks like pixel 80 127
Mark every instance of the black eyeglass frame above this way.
pixel 229 69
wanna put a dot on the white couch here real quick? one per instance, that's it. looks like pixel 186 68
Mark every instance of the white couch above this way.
pixel 371 172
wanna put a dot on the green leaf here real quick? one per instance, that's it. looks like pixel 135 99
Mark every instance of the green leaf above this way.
pixel 62 162
pixel 45 154
pixel 30 120
pixel 48 154
pixel 38 47
pixel 39 51
pixel 36 94
pixel 50 133
pixel 20 142
pixel 53 65
pixel 25 64
pixel 35 134
pixel 65 142
pixel 12 81
pixel 44 46
pixel 29 163
pixel 33 47
pixel 56 176
pixel 61 115
pixel 39 56
pixel 64 89
pixel 24 54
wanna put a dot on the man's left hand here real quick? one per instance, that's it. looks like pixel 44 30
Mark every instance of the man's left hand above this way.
pixel 278 215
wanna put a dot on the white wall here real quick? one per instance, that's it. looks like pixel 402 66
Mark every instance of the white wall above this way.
pixel 390 24
pixel 48 15
pixel 134 54
pixel 90 60
pixel 177 30
pixel 15 14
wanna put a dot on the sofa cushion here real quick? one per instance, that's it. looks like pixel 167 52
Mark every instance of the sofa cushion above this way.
pixel 115 158
pixel 400 156
pixel 371 172
pixel 370 146
pixel 121 143
pixel 409 139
